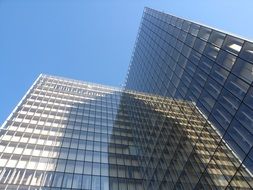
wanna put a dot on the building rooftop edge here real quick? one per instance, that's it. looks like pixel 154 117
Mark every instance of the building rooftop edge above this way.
pixel 207 26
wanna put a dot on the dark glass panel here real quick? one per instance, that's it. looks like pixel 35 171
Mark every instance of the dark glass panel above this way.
pixel 233 44
pixel 229 101
pixel 194 29
pixel 190 40
pixel 244 70
pixel 186 25
pixel 249 98
pixel 245 116
pixel 247 52
pixel 219 74
pixel 207 100
pixel 199 45
pixel 173 21
pixel 241 135
pixel 179 23
pixel 234 145
pixel 211 51
pixel 213 87
pixel 182 36
pixel 194 57
pixel 236 86
pixel 226 59
pixel 206 64
pixel 216 38
pixel 204 33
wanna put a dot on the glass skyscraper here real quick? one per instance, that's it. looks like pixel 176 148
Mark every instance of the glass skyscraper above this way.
pixel 68 134
pixel 183 120
pixel 187 61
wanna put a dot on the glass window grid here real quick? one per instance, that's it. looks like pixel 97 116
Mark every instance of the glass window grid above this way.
pixel 152 90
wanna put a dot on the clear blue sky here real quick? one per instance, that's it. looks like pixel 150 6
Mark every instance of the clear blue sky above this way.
pixel 90 40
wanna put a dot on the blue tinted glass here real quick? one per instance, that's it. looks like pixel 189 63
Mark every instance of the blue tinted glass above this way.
pixel 247 52
pixel 219 74
pixel 233 44
pixel 249 98
pixel 245 116
pixel 221 115
pixel 211 51
pixel 204 33
pixel 213 87
pixel 216 38
pixel 234 145
pixel 236 86
pixel 226 59
pixel 229 101
pixel 241 135
pixel 206 64
pixel 244 70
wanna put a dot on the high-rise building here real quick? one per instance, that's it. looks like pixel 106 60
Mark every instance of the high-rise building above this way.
pixel 163 131
pixel 68 134
pixel 184 60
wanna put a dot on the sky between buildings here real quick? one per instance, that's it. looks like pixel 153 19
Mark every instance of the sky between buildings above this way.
pixel 90 40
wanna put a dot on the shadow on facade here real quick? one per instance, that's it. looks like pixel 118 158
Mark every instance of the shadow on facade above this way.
pixel 123 141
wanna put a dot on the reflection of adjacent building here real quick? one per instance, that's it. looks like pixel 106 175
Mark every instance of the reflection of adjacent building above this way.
pixel 190 129
pixel 179 149
pixel 68 134
pixel 187 61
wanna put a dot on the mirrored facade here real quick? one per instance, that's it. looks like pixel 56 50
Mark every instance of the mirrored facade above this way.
pixel 68 134
pixel 183 121
pixel 187 61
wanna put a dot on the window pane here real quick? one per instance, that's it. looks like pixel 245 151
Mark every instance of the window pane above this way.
pixel 226 59
pixel 236 86
pixel 217 38
pixel 72 154
pixel 104 183
pixel 67 180
pixel 247 52
pixel 77 181
pixel 241 136
pixel 80 155
pixel 79 167
pixel 95 183
pixel 87 168
pixel 249 98
pixel 70 166
pixel 194 29
pixel 96 169
pixel 204 33
pixel 244 70
pixel 86 182
pixel 37 178
pixel 104 169
pixel 229 101
pixel 61 165
pixel 233 45
pixel 88 156
pixel 211 51
pixel 190 40
pixel 219 74
pixel 186 25
pixel 57 179
pixel 245 116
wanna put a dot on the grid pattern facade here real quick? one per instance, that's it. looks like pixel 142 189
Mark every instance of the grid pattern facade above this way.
pixel 183 60
pixel 68 135
pixel 179 149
